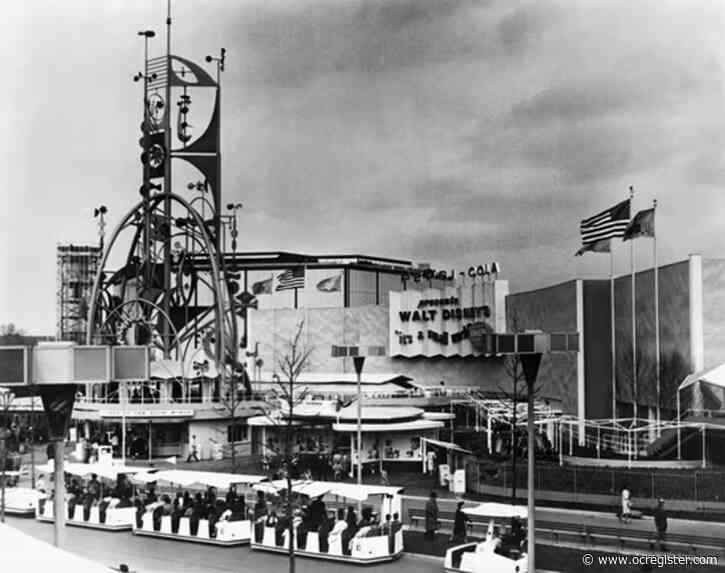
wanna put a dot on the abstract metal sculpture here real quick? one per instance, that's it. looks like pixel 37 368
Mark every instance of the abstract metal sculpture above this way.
pixel 172 292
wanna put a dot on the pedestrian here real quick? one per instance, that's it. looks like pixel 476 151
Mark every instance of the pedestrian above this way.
pixel 431 516
pixel 193 450
pixel 626 505
pixel 460 521
pixel 661 524
pixel 431 466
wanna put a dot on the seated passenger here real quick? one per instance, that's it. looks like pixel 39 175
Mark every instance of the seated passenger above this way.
pixel 323 533
pixel 167 508
pixel 339 527
pixel 271 519
pixel 283 523
pixel 177 513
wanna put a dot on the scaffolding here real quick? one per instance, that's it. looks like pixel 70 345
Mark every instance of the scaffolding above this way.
pixel 76 268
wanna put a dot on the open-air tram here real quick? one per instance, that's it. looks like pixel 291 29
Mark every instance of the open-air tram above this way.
pixel 224 532
pixel 497 553
pixel 362 549
pixel 111 517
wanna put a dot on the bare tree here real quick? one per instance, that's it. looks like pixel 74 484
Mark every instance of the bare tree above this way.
pixel 231 397
pixel 513 395
pixel 292 361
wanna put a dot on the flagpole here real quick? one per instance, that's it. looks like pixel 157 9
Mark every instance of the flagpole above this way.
pixel 657 320
pixel 634 325
pixel 614 337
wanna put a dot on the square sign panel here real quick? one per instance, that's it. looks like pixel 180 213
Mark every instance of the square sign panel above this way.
pixel 14 365
pixel 130 363
pixel 92 363
pixel 53 363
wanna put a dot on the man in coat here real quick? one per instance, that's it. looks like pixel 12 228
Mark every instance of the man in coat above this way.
pixel 661 523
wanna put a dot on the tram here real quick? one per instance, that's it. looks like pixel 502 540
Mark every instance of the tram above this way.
pixel 372 546
pixel 497 553
pixel 21 500
pixel 108 515
pixel 231 531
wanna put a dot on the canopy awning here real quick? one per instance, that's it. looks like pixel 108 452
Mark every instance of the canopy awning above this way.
pixel 447 445
pixel 500 510
pixel 317 488
pixel 108 471
pixel 194 479
pixel 412 426
pixel 714 376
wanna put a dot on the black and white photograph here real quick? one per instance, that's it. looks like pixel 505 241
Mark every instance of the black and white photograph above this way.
pixel 395 286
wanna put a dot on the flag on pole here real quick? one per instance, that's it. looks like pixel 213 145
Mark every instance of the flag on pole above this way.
pixel 598 230
pixel 330 284
pixel 643 225
pixel 291 279
pixel 262 287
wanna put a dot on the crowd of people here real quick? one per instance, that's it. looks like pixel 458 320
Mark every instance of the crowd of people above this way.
pixel 342 525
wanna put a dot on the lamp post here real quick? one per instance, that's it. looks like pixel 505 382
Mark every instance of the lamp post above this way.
pixel 359 361
pixel 100 212
pixel 6 400
pixel 234 207
pixel 530 364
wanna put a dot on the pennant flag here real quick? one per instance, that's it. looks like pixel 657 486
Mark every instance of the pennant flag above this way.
pixel 597 231
pixel 291 279
pixel 262 287
pixel 330 284
pixel 643 225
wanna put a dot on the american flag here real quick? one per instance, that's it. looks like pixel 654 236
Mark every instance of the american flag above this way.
pixel 599 229
pixel 291 279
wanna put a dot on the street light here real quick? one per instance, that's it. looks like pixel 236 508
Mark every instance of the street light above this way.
pixel 100 212
pixel 6 400
pixel 234 207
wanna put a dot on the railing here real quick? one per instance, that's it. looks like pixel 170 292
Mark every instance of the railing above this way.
pixel 684 484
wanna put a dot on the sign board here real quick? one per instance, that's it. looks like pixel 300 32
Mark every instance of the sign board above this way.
pixel 92 363
pixel 15 365
pixel 53 363
pixel 135 413
pixel 437 322
pixel 444 474
pixel 130 363
pixel 458 483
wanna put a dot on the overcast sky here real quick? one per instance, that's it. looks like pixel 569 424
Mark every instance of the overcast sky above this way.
pixel 448 132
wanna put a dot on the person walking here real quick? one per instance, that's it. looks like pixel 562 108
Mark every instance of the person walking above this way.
pixel 193 450
pixel 431 516
pixel 626 505
pixel 460 521
pixel 661 524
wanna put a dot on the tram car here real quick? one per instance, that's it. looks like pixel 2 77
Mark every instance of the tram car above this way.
pixel 110 513
pixel 499 552
pixel 21 500
pixel 376 538
pixel 185 510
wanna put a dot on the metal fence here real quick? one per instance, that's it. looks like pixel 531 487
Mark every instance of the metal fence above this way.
pixel 695 485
